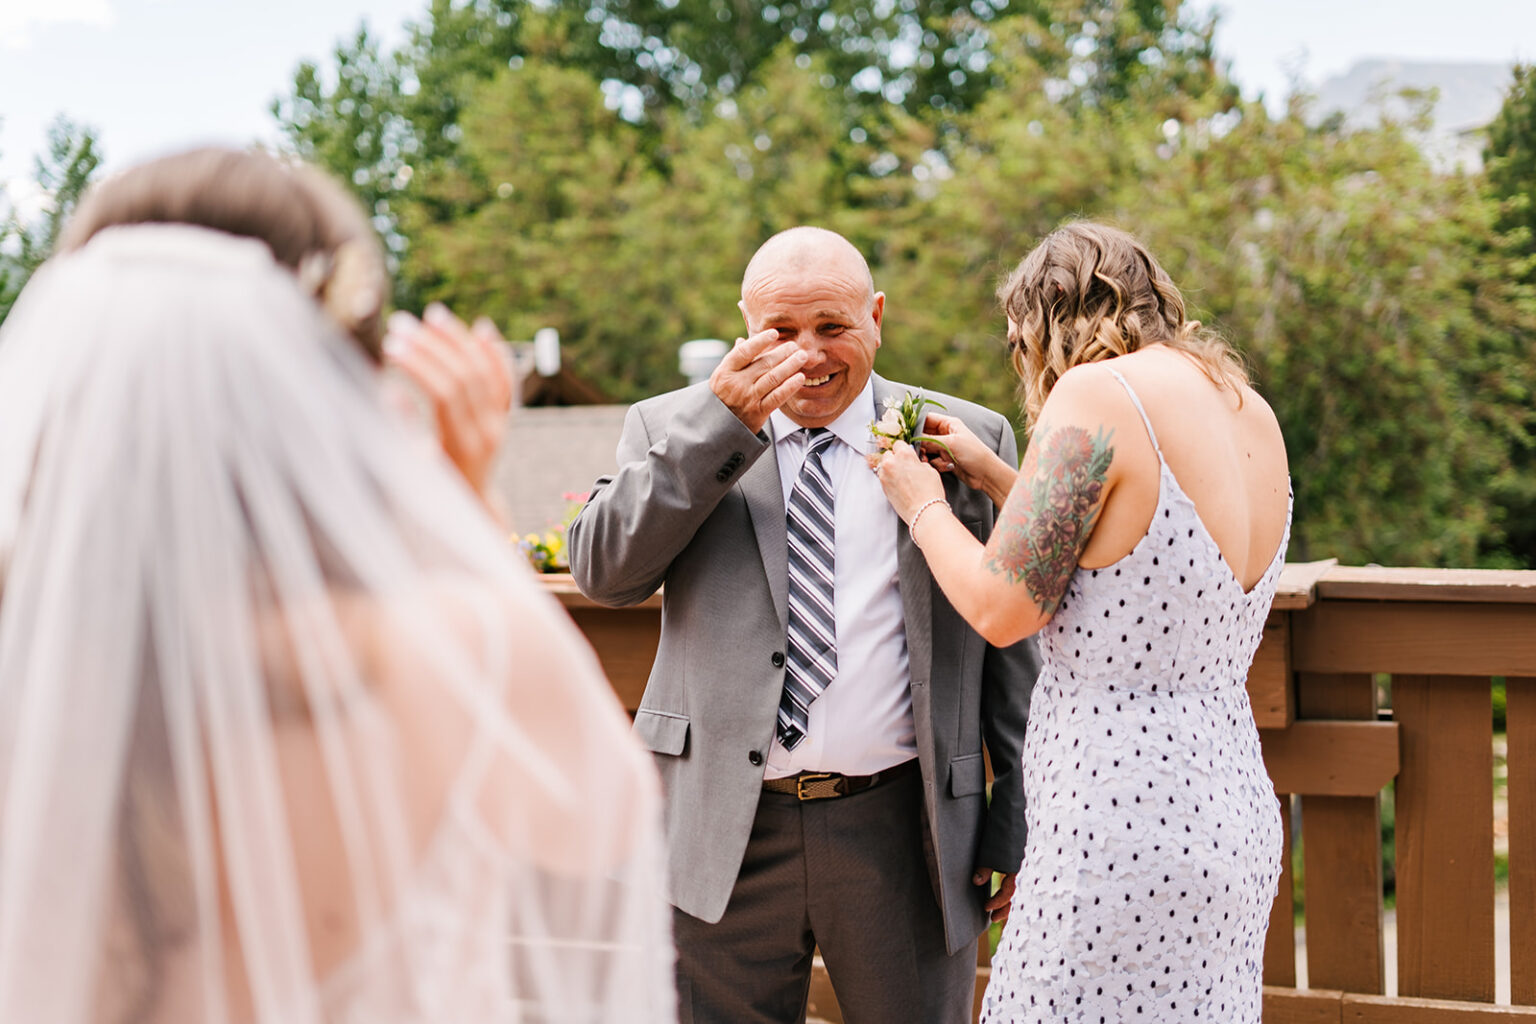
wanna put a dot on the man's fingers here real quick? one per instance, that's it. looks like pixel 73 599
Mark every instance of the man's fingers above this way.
pixel 775 374
pixel 781 394
pixel 747 350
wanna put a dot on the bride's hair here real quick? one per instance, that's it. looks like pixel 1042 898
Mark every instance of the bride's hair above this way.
pixel 311 224
pixel 1090 292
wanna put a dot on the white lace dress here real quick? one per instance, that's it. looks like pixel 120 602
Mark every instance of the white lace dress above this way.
pixel 1154 832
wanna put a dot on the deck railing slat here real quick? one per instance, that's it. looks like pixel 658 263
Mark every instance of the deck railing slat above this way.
pixel 1415 637
pixel 1445 942
pixel 1520 715
pixel 1280 940
pixel 1341 851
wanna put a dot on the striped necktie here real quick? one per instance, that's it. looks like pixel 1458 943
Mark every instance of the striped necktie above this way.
pixel 812 660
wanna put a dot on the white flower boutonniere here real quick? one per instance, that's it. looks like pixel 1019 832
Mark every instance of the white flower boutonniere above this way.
pixel 903 421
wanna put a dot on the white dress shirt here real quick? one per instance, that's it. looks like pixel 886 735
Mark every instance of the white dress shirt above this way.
pixel 862 722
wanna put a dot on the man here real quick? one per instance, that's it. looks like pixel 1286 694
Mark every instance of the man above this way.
pixel 817 709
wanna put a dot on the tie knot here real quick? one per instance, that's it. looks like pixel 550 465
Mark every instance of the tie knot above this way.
pixel 817 439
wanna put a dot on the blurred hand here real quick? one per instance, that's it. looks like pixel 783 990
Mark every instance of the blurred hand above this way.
pixel 967 455
pixel 999 903
pixel 462 372
pixel 758 376
pixel 907 480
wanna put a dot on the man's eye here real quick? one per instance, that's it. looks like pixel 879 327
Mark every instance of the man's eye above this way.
pixel 786 333
pixel 833 328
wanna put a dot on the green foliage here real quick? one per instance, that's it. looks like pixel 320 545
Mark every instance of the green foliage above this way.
pixel 1385 309
pixel 62 173
pixel 1505 294
pixel 356 125
pixel 1511 159
pixel 922 55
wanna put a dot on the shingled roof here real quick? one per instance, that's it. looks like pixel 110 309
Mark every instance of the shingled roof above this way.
pixel 551 451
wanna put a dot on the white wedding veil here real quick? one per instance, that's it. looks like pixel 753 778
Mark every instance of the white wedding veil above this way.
pixel 288 733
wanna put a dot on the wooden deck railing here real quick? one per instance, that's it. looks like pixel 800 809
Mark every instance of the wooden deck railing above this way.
pixel 1366 678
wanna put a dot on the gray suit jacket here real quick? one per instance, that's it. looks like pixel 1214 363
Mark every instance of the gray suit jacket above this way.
pixel 697 505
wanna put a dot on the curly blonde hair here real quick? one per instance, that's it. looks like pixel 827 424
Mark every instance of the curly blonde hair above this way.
pixel 1090 292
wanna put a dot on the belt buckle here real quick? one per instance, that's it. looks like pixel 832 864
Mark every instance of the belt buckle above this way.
pixel 816 785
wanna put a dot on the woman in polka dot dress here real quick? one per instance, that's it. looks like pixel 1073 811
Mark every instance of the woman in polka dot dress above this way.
pixel 1142 540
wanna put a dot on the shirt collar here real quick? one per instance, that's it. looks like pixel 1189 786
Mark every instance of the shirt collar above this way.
pixel 851 427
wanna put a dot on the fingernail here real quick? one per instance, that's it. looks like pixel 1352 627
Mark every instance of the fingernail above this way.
pixel 401 322
pixel 437 315
pixel 395 344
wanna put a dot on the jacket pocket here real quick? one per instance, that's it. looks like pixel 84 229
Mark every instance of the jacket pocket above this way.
pixel 661 731
pixel 967 775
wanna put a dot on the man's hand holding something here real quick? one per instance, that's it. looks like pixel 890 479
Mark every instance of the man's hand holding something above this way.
pixel 998 904
pixel 758 376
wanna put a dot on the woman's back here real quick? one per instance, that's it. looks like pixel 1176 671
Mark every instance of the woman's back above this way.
pixel 1154 834
pixel 1228 457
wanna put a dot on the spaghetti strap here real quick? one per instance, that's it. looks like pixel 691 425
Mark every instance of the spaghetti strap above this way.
pixel 1137 403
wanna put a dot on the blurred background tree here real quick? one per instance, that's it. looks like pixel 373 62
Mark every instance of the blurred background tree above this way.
pixel 1505 292
pixel 606 167
pixel 60 176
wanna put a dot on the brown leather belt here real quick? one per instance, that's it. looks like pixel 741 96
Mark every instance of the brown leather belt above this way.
pixel 830 785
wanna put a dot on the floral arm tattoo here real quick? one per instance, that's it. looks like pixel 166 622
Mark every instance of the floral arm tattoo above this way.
pixel 1047 521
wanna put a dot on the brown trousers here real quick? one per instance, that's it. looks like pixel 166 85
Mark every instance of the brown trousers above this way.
pixel 848 875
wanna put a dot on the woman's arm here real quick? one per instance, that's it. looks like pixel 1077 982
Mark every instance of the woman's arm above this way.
pixel 1010 588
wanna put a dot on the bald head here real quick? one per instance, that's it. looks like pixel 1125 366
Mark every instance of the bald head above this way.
pixel 803 252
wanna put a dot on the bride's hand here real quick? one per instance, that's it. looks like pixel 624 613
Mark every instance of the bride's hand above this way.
pixel 908 482
pixel 966 456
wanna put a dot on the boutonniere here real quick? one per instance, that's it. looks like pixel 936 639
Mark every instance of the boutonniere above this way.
pixel 903 421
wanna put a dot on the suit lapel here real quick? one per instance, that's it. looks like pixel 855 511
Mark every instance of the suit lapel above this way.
pixel 916 581
pixel 765 504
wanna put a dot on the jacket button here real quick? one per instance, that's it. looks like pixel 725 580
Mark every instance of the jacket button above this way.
pixel 777 659
pixel 723 475
pixel 755 757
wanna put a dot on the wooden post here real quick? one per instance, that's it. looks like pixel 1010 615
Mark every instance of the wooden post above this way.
pixel 1445 837
pixel 1521 724
pixel 1280 941
pixel 1341 848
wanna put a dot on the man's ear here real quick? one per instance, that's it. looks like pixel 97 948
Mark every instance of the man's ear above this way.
pixel 741 304
pixel 877 313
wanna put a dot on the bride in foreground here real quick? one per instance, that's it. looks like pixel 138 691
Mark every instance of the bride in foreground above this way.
pixel 288 733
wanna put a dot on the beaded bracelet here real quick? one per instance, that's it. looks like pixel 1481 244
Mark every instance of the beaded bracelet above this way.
pixel 924 507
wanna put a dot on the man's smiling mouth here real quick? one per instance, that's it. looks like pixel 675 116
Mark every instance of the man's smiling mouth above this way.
pixel 812 382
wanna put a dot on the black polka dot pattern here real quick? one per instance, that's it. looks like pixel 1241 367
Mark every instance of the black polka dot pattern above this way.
pixel 1154 831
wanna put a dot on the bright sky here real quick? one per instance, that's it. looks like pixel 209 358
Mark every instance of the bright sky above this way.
pixel 157 75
